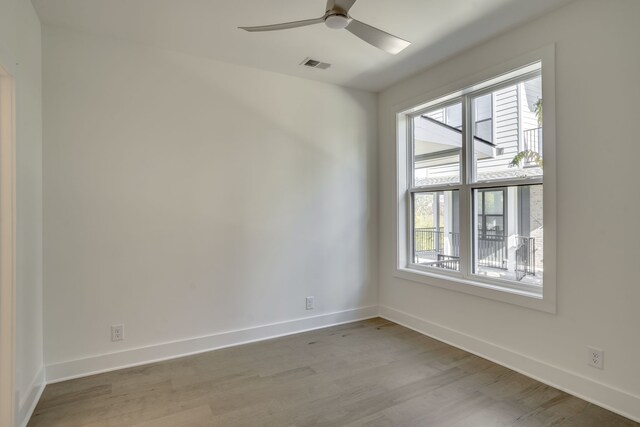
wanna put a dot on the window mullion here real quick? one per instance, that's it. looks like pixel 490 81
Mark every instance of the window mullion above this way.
pixel 465 192
pixel 435 188
pixel 410 181
pixel 410 152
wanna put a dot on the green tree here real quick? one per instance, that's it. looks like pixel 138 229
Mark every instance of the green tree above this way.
pixel 423 206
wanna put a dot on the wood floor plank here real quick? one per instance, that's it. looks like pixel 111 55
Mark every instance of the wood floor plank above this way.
pixel 368 373
pixel 199 416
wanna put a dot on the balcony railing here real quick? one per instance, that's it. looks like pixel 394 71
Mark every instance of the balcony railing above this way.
pixel 492 250
pixel 447 262
pixel 443 250
pixel 532 140
pixel 525 257
pixel 429 242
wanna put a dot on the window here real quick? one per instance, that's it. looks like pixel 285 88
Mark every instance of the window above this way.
pixel 436 229
pixel 483 119
pixel 473 197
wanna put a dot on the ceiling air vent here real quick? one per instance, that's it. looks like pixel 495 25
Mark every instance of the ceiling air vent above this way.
pixel 308 62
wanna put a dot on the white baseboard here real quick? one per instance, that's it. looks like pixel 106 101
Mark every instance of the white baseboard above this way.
pixel 139 356
pixel 27 405
pixel 603 395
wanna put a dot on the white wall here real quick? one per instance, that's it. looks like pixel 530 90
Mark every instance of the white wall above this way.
pixel 20 53
pixel 597 65
pixel 186 197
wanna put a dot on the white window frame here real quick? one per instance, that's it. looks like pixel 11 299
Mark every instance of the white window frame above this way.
pixel 532 296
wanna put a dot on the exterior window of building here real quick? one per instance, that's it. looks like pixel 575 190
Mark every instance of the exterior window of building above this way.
pixel 483 120
pixel 475 185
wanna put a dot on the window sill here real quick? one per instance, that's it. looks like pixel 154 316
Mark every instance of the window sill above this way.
pixel 530 299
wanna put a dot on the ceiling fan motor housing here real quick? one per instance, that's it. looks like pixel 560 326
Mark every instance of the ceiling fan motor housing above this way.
pixel 336 21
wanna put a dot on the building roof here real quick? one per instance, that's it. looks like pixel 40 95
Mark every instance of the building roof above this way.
pixel 494 175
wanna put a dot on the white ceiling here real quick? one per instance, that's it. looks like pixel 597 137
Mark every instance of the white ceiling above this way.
pixel 437 28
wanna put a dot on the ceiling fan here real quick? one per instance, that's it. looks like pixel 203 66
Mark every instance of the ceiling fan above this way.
pixel 337 17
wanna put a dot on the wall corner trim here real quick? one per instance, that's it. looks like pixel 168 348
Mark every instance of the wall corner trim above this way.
pixel 62 371
pixel 606 396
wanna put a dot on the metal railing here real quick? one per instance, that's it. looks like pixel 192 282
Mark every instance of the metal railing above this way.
pixel 492 250
pixel 448 262
pixel 431 242
pixel 532 140
pixel 445 261
pixel 525 257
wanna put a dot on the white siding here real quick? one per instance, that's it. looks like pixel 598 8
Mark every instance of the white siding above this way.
pixel 506 129
pixel 436 115
pixel 531 91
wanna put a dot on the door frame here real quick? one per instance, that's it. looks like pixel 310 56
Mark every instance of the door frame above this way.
pixel 7 248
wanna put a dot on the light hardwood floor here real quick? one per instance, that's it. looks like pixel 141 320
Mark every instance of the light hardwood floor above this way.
pixel 368 373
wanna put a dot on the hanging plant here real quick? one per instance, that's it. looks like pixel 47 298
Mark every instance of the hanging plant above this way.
pixel 538 111
pixel 526 155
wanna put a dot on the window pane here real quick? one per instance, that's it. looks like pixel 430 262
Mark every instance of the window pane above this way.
pixel 437 146
pixel 484 130
pixel 493 201
pixel 507 132
pixel 482 106
pixel 494 224
pixel 436 237
pixel 483 117
pixel 453 115
pixel 508 233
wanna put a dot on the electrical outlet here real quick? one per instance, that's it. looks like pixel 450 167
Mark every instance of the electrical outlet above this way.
pixel 595 357
pixel 117 332
pixel 309 303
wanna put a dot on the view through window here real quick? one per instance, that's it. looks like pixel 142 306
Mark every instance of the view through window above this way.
pixel 487 147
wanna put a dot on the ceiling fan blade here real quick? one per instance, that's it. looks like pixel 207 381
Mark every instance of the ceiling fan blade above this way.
pixel 378 38
pixel 285 26
pixel 342 4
